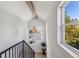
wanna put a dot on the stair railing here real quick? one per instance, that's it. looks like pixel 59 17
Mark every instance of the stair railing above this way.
pixel 19 50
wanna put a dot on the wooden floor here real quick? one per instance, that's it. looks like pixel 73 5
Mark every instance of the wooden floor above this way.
pixel 39 55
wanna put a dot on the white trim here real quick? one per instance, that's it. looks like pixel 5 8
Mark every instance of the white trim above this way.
pixel 70 52
pixel 47 39
pixel 60 20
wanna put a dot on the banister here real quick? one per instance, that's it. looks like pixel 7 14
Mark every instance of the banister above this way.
pixel 9 47
pixel 16 46
pixel 28 45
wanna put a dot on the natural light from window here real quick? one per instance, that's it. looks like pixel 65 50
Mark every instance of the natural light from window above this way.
pixel 72 24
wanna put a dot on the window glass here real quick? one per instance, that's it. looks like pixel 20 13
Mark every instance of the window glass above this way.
pixel 72 24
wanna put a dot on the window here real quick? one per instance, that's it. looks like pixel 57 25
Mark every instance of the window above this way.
pixel 68 27
pixel 72 24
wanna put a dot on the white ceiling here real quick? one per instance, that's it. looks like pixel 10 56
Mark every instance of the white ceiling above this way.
pixel 43 8
pixel 21 9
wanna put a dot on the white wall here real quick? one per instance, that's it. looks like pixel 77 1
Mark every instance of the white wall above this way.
pixel 11 30
pixel 40 25
pixel 53 49
pixel 18 8
pixel 21 10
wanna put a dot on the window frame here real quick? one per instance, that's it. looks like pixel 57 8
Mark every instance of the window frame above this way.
pixel 61 31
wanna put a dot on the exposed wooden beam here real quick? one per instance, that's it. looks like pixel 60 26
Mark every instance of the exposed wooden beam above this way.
pixel 32 8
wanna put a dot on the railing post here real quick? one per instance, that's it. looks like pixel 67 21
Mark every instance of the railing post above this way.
pixel 23 49
pixel 30 53
pixel 33 54
pixel 17 51
pixel 12 52
pixel 0 55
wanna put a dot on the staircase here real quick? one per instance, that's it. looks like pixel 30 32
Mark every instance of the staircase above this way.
pixel 19 50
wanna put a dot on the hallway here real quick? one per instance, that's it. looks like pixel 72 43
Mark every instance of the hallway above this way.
pixel 35 22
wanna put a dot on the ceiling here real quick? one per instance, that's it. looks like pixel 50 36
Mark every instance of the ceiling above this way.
pixel 21 9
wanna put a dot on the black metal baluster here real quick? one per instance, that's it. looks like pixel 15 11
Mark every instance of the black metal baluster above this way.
pixel 28 50
pixel 5 54
pixel 9 53
pixel 0 55
pixel 23 49
pixel 33 54
pixel 15 51
pixel 12 52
